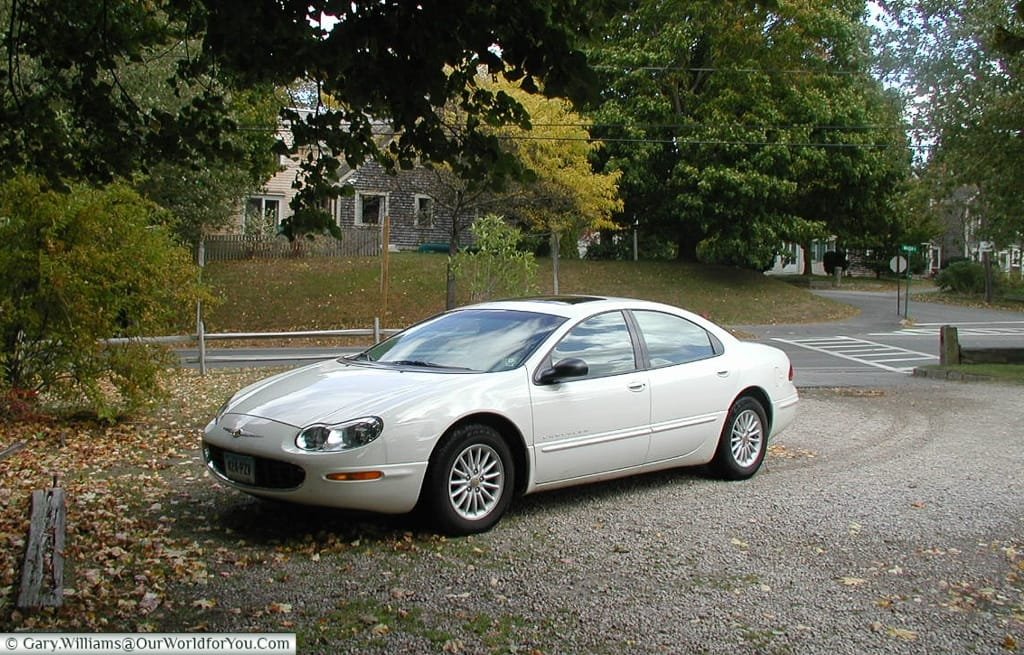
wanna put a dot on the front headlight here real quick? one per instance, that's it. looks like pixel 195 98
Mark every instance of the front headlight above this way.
pixel 342 436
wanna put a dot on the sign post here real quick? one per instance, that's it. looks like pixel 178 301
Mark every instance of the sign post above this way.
pixel 900 265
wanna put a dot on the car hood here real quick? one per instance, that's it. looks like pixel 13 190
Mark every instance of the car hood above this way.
pixel 337 390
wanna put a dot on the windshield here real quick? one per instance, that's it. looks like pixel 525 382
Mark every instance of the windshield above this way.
pixel 468 340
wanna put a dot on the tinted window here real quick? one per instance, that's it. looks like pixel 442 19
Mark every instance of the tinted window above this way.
pixel 601 341
pixel 673 340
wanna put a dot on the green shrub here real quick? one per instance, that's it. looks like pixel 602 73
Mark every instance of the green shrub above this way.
pixel 495 267
pixel 962 277
pixel 77 268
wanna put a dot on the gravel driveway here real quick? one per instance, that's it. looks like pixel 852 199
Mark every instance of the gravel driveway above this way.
pixel 888 521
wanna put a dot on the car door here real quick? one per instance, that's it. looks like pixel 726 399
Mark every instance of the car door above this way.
pixel 599 421
pixel 691 383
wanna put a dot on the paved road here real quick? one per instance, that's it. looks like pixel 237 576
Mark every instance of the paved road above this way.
pixel 878 347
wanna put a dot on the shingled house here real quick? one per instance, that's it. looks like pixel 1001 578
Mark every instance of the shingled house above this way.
pixel 407 197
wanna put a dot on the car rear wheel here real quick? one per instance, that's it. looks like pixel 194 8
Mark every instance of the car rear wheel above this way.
pixel 470 480
pixel 744 440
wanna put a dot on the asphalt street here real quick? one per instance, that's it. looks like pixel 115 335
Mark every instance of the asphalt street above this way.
pixel 878 347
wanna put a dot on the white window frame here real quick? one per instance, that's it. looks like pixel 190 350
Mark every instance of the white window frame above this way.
pixel 263 207
pixel 419 214
pixel 359 207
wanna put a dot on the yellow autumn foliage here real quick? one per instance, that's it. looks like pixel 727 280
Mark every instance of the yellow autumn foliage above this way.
pixel 567 195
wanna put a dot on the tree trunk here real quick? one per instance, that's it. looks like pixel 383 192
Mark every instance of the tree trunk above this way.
pixel 808 264
pixel 454 243
pixel 449 299
pixel 555 254
pixel 687 247
pixel 986 259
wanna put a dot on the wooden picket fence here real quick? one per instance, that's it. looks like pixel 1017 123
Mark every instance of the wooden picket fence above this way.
pixel 355 242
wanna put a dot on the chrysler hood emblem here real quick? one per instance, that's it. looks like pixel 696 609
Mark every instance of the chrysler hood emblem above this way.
pixel 239 432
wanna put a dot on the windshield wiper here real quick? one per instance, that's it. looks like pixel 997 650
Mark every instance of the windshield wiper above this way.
pixel 419 362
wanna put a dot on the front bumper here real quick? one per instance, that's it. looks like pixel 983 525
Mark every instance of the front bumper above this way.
pixel 281 471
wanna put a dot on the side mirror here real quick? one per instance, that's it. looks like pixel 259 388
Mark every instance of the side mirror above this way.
pixel 572 367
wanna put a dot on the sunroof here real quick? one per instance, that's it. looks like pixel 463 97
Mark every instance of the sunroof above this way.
pixel 567 300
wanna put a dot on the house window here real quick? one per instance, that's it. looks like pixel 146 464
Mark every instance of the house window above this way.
pixel 424 211
pixel 262 215
pixel 330 205
pixel 371 208
pixel 818 249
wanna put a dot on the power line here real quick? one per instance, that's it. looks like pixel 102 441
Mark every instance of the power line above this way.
pixel 712 69
pixel 745 126
pixel 677 140
pixel 714 142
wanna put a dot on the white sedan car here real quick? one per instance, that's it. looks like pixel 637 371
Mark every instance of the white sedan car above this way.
pixel 459 413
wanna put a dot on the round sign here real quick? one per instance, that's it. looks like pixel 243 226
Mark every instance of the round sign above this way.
pixel 898 264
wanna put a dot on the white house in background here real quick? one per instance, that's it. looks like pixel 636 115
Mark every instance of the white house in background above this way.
pixel 791 261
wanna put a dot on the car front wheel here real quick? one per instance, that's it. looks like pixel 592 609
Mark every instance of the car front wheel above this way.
pixel 744 440
pixel 470 480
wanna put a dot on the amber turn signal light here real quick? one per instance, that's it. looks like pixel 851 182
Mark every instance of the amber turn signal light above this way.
pixel 355 476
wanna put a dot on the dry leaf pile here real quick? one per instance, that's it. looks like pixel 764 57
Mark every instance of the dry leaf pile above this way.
pixel 122 552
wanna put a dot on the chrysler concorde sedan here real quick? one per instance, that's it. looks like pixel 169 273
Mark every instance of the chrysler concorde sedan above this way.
pixel 458 414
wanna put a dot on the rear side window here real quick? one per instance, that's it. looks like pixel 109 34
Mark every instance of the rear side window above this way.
pixel 673 340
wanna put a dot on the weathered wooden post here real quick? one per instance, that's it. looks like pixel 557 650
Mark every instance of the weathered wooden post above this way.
pixel 42 576
pixel 949 346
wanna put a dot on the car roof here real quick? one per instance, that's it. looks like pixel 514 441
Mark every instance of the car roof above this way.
pixel 571 306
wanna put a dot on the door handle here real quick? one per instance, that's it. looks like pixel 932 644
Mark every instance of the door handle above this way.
pixel 637 386
pixel 723 374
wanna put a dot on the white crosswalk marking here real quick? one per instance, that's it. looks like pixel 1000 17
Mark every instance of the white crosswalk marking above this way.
pixel 1005 329
pixel 879 355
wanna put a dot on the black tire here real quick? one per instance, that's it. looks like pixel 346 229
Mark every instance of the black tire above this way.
pixel 470 481
pixel 744 440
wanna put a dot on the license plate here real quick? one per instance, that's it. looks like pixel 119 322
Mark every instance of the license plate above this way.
pixel 240 468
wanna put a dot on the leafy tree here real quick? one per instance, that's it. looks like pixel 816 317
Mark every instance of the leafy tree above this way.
pixel 741 125
pixel 960 64
pixel 564 195
pixel 555 188
pixel 69 111
pixel 68 115
pixel 204 194
pixel 77 268
pixel 95 92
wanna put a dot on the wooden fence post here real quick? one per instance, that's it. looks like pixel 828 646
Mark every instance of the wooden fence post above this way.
pixel 42 576
pixel 949 346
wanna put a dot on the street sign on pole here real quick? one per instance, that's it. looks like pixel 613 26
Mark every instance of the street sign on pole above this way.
pixel 900 266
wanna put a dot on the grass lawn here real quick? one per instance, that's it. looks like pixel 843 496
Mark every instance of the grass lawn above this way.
pixel 857 283
pixel 995 372
pixel 337 293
